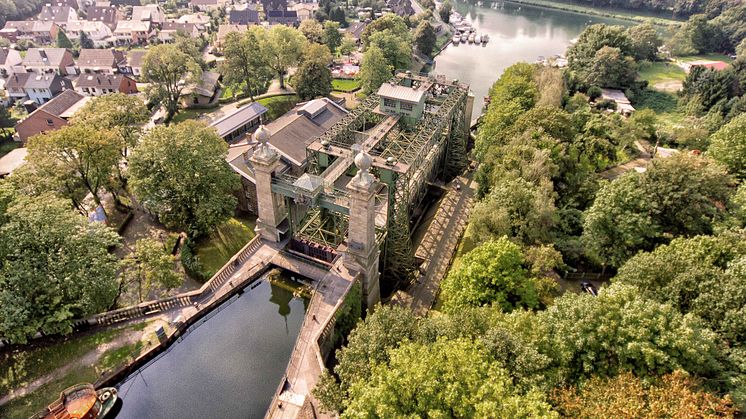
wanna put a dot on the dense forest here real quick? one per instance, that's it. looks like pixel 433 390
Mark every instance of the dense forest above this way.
pixel 679 8
pixel 19 9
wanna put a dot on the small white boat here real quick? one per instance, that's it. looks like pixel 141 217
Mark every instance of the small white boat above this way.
pixel 477 39
pixel 485 38
pixel 464 37
pixel 456 39
pixel 471 38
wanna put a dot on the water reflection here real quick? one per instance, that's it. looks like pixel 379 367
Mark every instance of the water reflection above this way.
pixel 227 367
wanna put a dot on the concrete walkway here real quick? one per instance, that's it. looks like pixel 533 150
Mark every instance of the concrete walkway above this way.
pixel 438 246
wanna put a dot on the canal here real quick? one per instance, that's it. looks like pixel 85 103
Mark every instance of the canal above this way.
pixel 517 33
pixel 227 366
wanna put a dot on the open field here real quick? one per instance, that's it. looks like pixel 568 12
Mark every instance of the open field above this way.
pixel 345 85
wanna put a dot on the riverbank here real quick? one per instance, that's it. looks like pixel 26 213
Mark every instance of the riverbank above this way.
pixel 594 11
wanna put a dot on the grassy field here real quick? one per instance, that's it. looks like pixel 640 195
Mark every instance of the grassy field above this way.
pixel 345 85
pixel 278 105
pixel 659 72
pixel 664 104
pixel 185 114
pixel 7 145
pixel 217 249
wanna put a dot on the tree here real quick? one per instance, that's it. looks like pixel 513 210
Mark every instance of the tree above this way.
pixel 336 14
pixel 450 378
pixel 331 37
pixel 645 41
pixel 445 11
pixel 243 67
pixel 281 49
pixel 347 46
pixel 390 23
pixel 609 68
pixel 149 265
pixel 312 30
pixel 397 50
pixel 180 174
pixel 168 71
pixel 424 37
pixel 741 49
pixel 676 196
pixel 374 70
pixel 88 152
pixel 117 111
pixel 494 273
pixel 63 41
pixel 581 54
pixel 54 267
pixel 85 41
pixel 728 146
pixel 313 78
pixel 6 121
pixel 676 395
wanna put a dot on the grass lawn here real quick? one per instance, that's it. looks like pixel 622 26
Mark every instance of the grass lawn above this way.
pixel 658 72
pixel 664 104
pixel 345 85
pixel 185 114
pixel 278 105
pixel 215 250
pixel 706 57
pixel 7 145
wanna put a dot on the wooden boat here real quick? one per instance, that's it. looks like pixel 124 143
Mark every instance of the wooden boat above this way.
pixel 81 401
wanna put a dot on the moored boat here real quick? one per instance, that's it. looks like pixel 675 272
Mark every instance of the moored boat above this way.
pixel 81 401
pixel 477 39
pixel 485 38
pixel 456 39
pixel 464 37
pixel 471 38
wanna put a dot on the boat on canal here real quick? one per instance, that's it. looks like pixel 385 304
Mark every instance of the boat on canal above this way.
pixel 464 37
pixel 81 401
pixel 478 39
pixel 456 39
pixel 485 38
pixel 471 38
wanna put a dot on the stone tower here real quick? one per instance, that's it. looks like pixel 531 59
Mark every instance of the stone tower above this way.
pixel 270 208
pixel 362 251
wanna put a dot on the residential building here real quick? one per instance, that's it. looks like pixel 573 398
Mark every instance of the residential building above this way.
pixel 104 61
pixel 170 29
pixel 108 15
pixel 42 87
pixel 206 5
pixel 200 20
pixel 49 60
pixel 10 62
pixel 14 86
pixel 247 15
pixel 51 116
pixel 58 13
pixel 132 32
pixel 98 32
pixel 12 161
pixel 104 84
pixel 224 30
pixel 151 13
pixel 203 92
pixel 305 11
pixel 32 30
pixel 282 17
pixel 238 123
pixel 355 30
pixel 132 64
pixel 290 135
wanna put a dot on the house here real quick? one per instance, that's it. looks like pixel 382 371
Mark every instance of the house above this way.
pixel 623 105
pixel 305 11
pixel 290 134
pixel 355 30
pixel 200 20
pixel 206 5
pixel 12 161
pixel 282 17
pixel 170 29
pixel 103 84
pixel 42 87
pixel 14 86
pixel 49 60
pixel 132 65
pixel 32 30
pixel 58 13
pixel 50 116
pixel 10 62
pixel 108 15
pixel 98 32
pixel 104 61
pixel 243 120
pixel 151 13
pixel 247 15
pixel 203 92
pixel 402 100
pixel 224 30
pixel 132 32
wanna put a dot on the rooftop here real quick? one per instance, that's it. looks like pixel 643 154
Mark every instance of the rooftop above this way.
pixel 12 161
pixel 44 57
pixel 395 91
pixel 60 104
pixel 239 117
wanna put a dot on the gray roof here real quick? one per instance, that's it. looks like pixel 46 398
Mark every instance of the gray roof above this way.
pixel 105 14
pixel 239 117
pixel 47 81
pixel 12 161
pixel 245 16
pixel 59 104
pixel 29 25
pixel 104 58
pixel 207 84
pixel 57 13
pixel 44 57
pixel 109 81
pixel 395 91
pixel 16 81
pixel 356 29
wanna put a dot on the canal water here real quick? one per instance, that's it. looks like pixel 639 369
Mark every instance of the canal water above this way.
pixel 228 366
pixel 517 33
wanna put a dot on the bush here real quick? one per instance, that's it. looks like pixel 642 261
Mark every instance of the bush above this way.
pixel 594 92
pixel 192 265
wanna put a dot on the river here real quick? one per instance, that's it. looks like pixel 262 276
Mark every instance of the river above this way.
pixel 228 366
pixel 517 33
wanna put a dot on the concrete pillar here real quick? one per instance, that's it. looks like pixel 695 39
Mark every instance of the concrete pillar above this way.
pixel 362 252
pixel 270 208
pixel 469 110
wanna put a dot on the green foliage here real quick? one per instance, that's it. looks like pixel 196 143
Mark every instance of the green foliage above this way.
pixel 424 37
pixel 85 41
pixel 331 37
pixel 63 41
pixel 152 267
pixel 349 313
pixel 243 66
pixel 445 11
pixel 677 196
pixel 312 30
pixel 179 173
pixel 117 111
pixel 494 273
pixel 411 384
pixel 698 36
pixel 645 41
pixel 581 55
pixel 192 263
pixel 374 70
pixel 313 78
pixel 168 70
pixel 281 48
pixel 54 267
pixel 728 146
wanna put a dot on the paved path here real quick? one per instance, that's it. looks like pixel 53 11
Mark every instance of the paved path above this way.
pixel 438 245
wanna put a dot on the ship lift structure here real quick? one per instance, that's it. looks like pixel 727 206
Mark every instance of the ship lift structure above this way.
pixel 415 129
